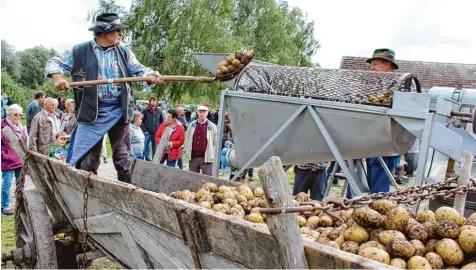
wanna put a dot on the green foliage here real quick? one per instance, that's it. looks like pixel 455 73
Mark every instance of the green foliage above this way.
pixel 19 94
pixel 32 65
pixel 164 33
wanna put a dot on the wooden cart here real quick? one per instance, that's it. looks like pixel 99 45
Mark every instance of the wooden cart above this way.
pixel 138 226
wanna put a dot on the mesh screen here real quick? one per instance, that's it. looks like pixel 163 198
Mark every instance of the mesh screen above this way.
pixel 352 86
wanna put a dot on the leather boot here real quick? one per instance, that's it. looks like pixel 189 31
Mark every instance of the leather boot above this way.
pixel 124 177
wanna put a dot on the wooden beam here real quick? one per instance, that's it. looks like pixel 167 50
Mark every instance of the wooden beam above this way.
pixel 283 227
pixel 463 179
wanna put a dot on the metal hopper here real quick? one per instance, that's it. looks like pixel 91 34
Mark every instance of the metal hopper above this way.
pixel 312 114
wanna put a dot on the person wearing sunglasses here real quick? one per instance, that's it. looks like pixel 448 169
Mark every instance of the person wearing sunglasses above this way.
pixel 14 139
pixel 101 109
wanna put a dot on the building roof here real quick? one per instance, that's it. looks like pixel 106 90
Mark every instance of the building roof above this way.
pixel 429 73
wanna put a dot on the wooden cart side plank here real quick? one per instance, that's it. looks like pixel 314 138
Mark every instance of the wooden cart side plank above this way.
pixel 140 244
pixel 240 241
pixel 160 178
pixel 39 177
pixel 324 257
pixel 283 227
pixel 145 205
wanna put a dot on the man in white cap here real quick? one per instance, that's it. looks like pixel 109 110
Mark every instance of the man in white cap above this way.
pixel 200 143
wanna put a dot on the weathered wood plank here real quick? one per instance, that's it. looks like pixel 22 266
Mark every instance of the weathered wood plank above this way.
pixel 283 227
pixel 463 179
pixel 324 257
pixel 160 178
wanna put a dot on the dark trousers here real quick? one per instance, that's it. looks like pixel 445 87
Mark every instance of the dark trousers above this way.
pixel 120 138
pixel 305 180
pixel 199 164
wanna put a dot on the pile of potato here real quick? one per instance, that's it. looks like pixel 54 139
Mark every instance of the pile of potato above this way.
pixel 394 235
pixel 242 201
pixel 384 231
pixel 384 98
pixel 234 62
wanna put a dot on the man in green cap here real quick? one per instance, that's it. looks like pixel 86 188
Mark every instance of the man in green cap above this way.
pixel 383 60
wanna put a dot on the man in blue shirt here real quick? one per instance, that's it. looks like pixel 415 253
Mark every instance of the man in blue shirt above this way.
pixel 106 108
pixel 34 108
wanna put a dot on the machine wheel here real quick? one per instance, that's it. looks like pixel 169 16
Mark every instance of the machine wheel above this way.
pixel 35 242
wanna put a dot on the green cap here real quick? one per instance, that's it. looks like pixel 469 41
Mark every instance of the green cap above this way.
pixel 384 54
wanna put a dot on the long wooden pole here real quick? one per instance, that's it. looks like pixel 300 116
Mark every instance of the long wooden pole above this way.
pixel 145 79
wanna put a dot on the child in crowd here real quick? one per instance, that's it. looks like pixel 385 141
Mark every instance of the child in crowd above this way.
pixel 59 150
pixel 224 165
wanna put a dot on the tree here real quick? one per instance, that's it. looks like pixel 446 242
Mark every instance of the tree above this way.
pixel 18 93
pixel 32 65
pixel 164 33
pixel 9 60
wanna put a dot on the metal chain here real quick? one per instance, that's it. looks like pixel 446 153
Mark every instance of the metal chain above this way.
pixel 83 261
pixel 411 195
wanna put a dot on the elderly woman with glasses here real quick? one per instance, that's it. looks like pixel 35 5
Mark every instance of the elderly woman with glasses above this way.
pixel 14 139
pixel 137 137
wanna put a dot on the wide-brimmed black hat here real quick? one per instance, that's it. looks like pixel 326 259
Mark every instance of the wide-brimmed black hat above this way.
pixel 107 22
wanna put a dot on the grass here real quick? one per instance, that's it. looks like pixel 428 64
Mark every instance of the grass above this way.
pixel 8 237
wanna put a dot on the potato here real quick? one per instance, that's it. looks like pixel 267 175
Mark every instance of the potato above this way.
pixel 383 206
pixel 327 242
pixel 351 223
pixel 430 245
pixel 339 240
pixel 430 228
pixel 417 232
pixel 367 217
pixel 450 214
pixel 312 222
pixel 375 254
pixel 401 248
pixel 324 233
pixel 304 230
pixel 447 229
pixel 411 222
pixel 301 221
pixel 350 246
pixel 418 262
pixel 467 227
pixel 467 241
pixel 397 219
pixel 374 244
pixel 469 266
pixel 256 218
pixel 420 249
pixel 374 234
pixel 426 216
pixel 387 236
pixel 357 234
pixel 313 233
pixel 435 260
pixel 471 220
pixel 334 234
pixel 450 251
pixel 399 262
pixel 325 221
pixel 346 214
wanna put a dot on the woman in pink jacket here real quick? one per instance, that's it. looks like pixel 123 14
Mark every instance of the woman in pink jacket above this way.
pixel 13 136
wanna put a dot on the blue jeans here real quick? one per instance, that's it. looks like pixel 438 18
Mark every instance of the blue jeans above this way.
pixel 180 162
pixel 7 177
pixel 137 156
pixel 315 181
pixel 170 163
pixel 149 140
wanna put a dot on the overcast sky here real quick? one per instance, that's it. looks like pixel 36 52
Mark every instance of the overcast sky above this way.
pixel 419 30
